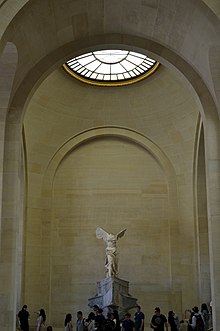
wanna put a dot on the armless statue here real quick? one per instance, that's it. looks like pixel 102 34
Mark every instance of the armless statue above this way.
pixel 111 262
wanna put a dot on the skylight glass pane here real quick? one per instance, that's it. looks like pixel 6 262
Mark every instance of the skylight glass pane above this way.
pixel 117 68
pixel 86 60
pixel 88 74
pixel 77 67
pixel 140 70
pixel 114 77
pixel 144 67
pixel 80 70
pixel 148 66
pixel 136 72
pixel 134 59
pixel 71 62
pixel 132 74
pixel 126 75
pixel 128 65
pixel 107 77
pixel 100 77
pixel 103 69
pixel 93 65
pixel 111 56
pixel 93 76
pixel 150 60
pixel 84 72
pixel 120 76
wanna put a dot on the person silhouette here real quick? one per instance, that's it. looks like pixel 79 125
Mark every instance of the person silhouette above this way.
pixel 23 317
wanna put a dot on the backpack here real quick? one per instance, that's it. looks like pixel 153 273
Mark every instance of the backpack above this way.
pixel 199 323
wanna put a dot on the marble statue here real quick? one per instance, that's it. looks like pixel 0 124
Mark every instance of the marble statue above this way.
pixel 111 262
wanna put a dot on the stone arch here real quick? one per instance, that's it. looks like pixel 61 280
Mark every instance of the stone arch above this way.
pixel 121 132
pixel 129 134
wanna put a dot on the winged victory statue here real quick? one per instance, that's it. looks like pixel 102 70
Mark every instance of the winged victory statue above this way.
pixel 111 261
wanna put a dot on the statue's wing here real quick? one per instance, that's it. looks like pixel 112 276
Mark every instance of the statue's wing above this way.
pixel 120 234
pixel 101 234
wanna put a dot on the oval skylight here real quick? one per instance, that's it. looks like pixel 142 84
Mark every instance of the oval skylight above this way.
pixel 111 67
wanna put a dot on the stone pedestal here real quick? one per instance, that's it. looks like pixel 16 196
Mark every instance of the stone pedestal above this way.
pixel 113 293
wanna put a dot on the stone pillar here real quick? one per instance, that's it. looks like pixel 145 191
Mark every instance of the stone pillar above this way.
pixel 10 154
pixel 212 149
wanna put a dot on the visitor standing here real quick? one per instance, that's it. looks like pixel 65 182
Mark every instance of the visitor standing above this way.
pixel 127 323
pixel 41 320
pixel 23 317
pixel 173 321
pixel 100 320
pixel 158 321
pixel 80 323
pixel 205 314
pixel 68 322
pixel 139 319
pixel 90 321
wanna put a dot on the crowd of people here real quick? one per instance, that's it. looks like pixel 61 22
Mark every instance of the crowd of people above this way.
pixel 199 319
pixel 97 321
